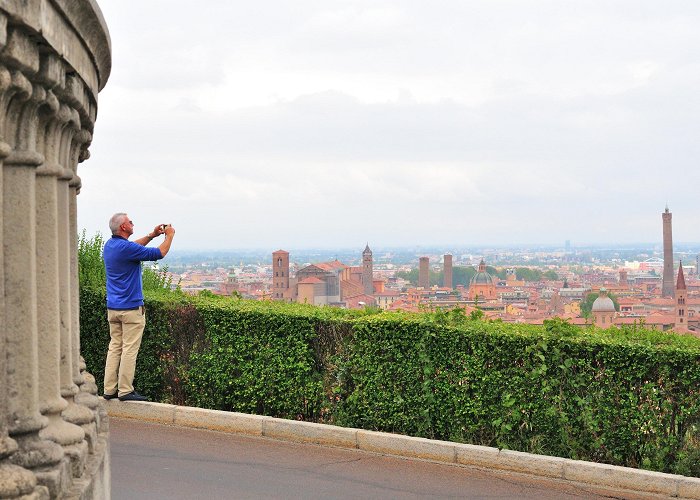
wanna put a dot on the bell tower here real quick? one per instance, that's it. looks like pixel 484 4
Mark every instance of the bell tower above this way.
pixel 280 274
pixel 367 271
pixel 681 323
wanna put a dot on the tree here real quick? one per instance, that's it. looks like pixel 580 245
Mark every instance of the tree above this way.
pixel 551 275
pixel 412 277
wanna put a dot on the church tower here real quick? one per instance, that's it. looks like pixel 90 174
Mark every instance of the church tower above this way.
pixel 367 271
pixel 667 290
pixel 681 323
pixel 280 274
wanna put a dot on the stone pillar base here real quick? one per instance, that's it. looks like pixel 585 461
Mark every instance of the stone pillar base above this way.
pixel 90 436
pixel 56 479
pixel 19 483
pixel 95 484
pixel 77 454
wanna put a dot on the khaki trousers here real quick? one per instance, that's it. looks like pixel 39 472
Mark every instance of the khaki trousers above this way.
pixel 125 330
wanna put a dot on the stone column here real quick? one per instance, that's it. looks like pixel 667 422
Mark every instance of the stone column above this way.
pixel 43 457
pixel 68 435
pixel 15 481
pixel 75 413
pixel 51 52
pixel 82 398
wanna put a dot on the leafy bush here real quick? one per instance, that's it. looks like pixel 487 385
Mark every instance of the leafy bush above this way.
pixel 91 268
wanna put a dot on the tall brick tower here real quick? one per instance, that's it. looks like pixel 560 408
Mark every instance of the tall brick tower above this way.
pixel 424 272
pixel 667 290
pixel 280 274
pixel 447 271
pixel 367 271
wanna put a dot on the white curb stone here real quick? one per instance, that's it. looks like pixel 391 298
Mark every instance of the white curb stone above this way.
pixel 621 477
pixel 539 465
pixel 216 420
pixel 309 432
pixel 151 412
pixel 689 488
pixel 406 446
pixel 477 456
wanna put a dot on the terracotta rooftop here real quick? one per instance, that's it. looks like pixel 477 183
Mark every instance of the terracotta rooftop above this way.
pixel 310 280
pixel 330 266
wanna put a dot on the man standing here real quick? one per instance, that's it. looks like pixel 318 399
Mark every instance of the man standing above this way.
pixel 125 311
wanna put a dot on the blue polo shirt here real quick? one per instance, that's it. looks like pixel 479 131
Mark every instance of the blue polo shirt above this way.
pixel 123 265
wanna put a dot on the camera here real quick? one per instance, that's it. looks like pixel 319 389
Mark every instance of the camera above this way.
pixel 163 226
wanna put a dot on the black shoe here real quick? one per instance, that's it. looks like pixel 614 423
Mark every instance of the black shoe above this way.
pixel 110 396
pixel 133 396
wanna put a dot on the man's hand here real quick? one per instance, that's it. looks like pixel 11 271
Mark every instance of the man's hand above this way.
pixel 169 231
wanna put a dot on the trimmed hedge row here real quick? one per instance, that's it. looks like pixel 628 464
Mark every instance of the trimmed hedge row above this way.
pixel 623 397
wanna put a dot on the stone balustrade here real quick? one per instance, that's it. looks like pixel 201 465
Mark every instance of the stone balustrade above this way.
pixel 54 59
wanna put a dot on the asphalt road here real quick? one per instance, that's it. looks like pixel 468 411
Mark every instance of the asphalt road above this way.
pixel 152 461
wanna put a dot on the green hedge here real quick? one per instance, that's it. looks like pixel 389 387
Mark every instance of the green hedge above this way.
pixel 624 397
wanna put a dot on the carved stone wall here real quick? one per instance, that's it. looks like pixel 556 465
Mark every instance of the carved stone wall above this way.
pixel 54 59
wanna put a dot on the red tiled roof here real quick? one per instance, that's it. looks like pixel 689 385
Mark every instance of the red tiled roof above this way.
pixel 330 266
pixel 310 280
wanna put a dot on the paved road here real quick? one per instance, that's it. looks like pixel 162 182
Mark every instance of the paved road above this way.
pixel 152 461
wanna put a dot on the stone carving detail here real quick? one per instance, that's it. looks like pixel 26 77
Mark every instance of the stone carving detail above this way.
pixel 53 429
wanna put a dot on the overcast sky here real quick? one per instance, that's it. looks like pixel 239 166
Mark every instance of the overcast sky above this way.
pixel 398 122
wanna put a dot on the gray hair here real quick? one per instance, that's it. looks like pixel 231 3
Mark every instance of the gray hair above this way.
pixel 116 221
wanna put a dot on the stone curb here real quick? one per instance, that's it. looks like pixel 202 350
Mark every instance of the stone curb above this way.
pixel 590 473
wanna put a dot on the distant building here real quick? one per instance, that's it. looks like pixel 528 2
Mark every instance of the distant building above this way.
pixel 424 272
pixel 667 288
pixel 482 286
pixel 623 278
pixel 681 309
pixel 447 271
pixel 280 274
pixel 325 283
pixel 603 310
pixel 367 271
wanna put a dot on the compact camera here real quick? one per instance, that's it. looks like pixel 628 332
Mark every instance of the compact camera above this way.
pixel 163 226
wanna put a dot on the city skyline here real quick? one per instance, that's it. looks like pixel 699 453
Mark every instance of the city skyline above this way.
pixel 480 124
